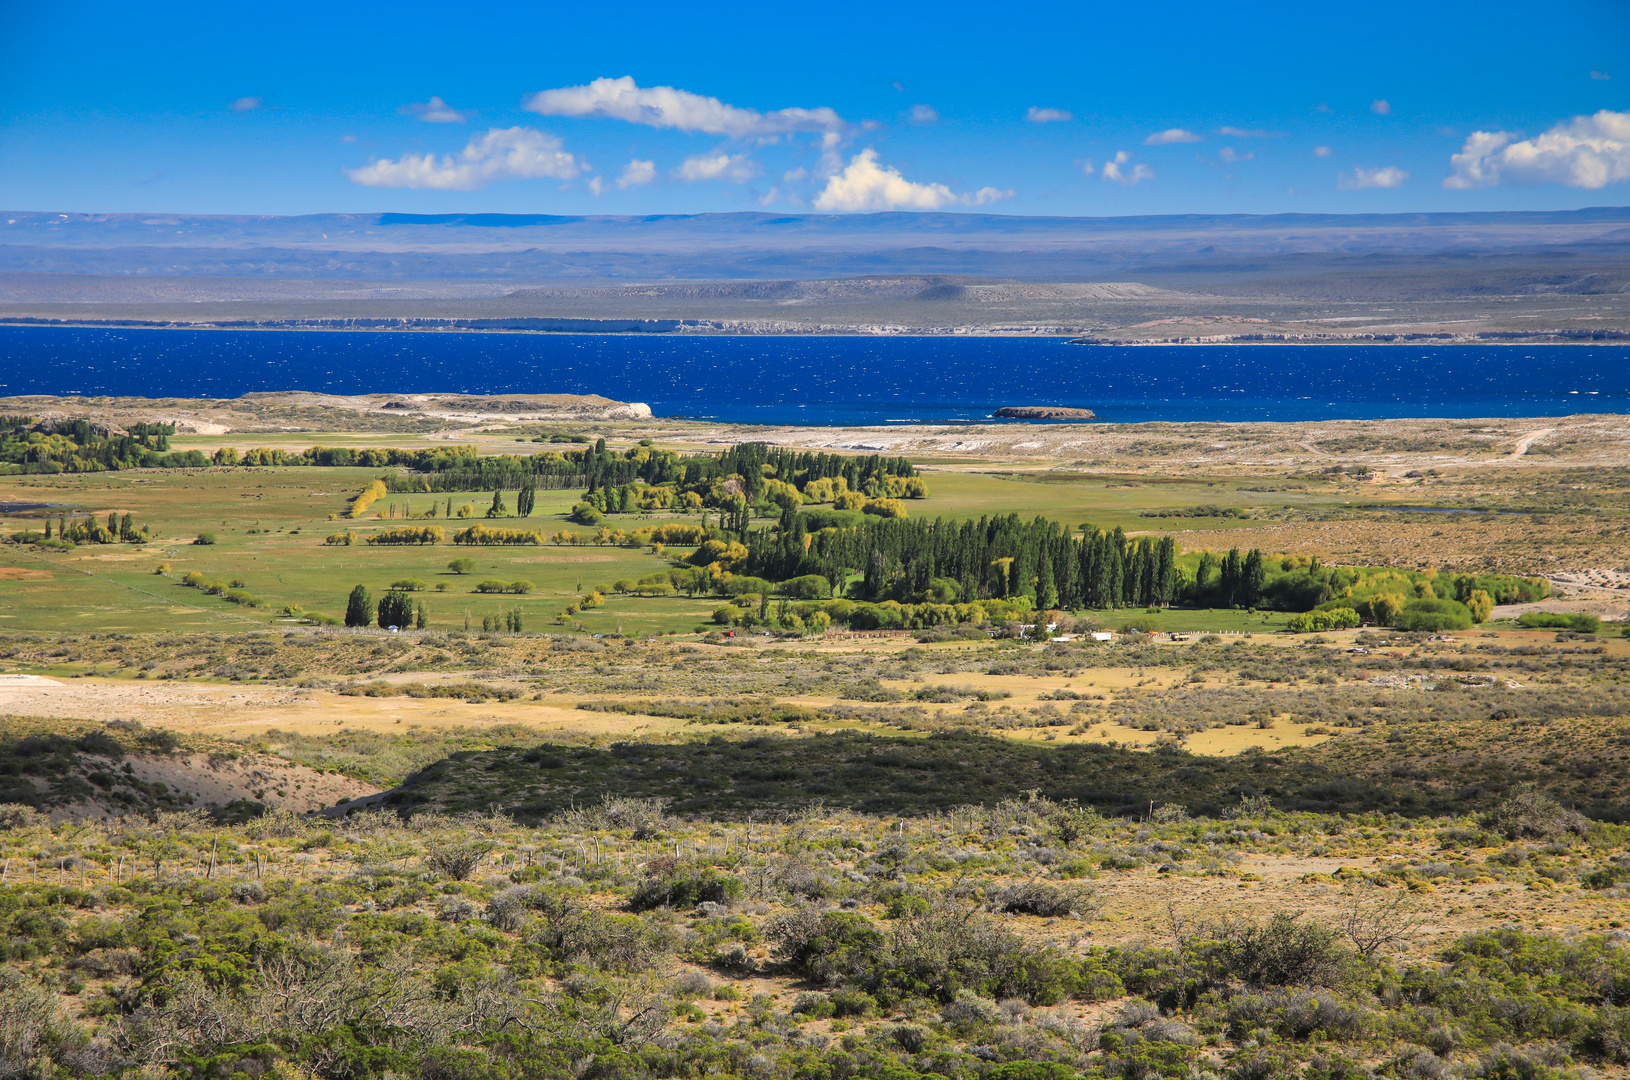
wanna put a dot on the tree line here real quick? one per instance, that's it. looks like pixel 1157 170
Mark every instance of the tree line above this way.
pixel 54 446
pixel 993 558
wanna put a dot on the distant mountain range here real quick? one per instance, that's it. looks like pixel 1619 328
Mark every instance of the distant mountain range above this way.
pixel 736 246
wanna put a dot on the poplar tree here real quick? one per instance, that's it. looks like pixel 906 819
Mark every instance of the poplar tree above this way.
pixel 359 609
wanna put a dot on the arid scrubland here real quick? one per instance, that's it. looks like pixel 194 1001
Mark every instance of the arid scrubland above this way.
pixel 239 842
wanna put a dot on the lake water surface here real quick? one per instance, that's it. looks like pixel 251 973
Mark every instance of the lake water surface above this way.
pixel 835 380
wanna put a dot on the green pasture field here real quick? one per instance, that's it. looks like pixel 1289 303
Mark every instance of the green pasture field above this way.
pixel 285 560
pixel 1104 500
pixel 270 524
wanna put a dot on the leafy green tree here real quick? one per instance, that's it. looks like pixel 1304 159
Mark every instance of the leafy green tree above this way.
pixel 462 566
pixel 526 499
pixel 395 609
pixel 420 617
pixel 359 609
pixel 1046 588
pixel 1253 579
pixel 498 508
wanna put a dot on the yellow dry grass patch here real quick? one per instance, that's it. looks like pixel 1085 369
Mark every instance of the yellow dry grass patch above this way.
pixel 239 712
pixel 23 573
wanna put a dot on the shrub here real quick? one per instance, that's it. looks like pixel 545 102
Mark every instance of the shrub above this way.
pixel 1434 616
pixel 492 585
pixel 584 513
pixel 1341 618
pixel 808 587
pixel 1582 622
pixel 1044 899
pixel 204 538
pixel 685 890
pixel 1529 814
pixel 409 585
pixel 1284 951
pixel 456 859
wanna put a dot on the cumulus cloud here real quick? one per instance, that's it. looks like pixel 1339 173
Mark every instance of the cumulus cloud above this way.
pixel 245 104
pixel 1381 106
pixel 1170 136
pixel 597 186
pixel 515 153
pixel 1228 155
pixel 866 185
pixel 1113 170
pixel 637 172
pixel 1585 152
pixel 1389 177
pixel 736 168
pixel 1321 151
pixel 1037 115
pixel 1248 133
pixel 668 107
pixel 924 114
pixel 434 111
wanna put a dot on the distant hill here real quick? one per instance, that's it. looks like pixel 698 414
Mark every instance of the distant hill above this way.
pixel 542 247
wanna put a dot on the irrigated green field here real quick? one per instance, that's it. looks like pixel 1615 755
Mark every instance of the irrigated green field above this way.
pixel 271 523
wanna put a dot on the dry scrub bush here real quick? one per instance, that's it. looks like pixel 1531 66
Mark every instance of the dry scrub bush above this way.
pixel 455 858
pixel 1531 815
pixel 644 818
pixel 1045 899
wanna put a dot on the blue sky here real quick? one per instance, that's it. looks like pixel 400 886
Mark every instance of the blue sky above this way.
pixel 635 108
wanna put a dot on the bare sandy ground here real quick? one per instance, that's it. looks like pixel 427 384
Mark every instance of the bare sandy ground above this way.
pixel 246 712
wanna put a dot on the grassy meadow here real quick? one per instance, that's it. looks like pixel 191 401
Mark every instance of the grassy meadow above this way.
pixel 270 525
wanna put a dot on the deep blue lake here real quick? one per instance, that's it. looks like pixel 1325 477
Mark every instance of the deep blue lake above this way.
pixel 836 380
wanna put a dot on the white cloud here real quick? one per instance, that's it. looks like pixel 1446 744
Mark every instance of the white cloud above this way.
pixel 434 111
pixel 637 172
pixel 1585 152
pixel 1249 133
pixel 1229 155
pixel 1323 107
pixel 1170 136
pixel 794 175
pixel 668 107
pixel 1389 177
pixel 1381 106
pixel 736 168
pixel 515 153
pixel 1037 115
pixel 597 186
pixel 1601 75
pixel 1125 177
pixel 924 114
pixel 866 185
pixel 830 163
pixel 776 195
pixel 245 104
pixel 1321 151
